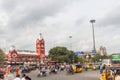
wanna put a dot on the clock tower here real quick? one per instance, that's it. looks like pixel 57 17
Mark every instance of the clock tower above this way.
pixel 40 47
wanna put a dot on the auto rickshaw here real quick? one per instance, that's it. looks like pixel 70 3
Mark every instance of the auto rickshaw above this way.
pixel 106 75
pixel 77 68
pixel 89 66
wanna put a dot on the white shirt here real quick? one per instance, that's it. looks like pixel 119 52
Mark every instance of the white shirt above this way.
pixel 111 72
pixel 117 78
pixel 17 78
pixel 23 78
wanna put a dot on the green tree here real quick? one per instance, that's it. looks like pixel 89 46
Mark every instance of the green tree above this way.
pixel 96 58
pixel 62 54
pixel 110 56
pixel 2 57
pixel 81 59
pixel 70 57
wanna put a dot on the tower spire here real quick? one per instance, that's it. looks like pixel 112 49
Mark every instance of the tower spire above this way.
pixel 40 36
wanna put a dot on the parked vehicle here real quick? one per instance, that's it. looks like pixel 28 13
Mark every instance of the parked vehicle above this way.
pixel 77 68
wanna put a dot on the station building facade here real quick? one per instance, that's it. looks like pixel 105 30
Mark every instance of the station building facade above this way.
pixel 26 56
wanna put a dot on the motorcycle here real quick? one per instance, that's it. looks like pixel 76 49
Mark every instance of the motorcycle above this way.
pixel 69 71
pixel 54 71
pixel 42 74
pixel 86 68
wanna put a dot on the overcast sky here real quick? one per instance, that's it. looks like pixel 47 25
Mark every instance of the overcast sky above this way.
pixel 21 21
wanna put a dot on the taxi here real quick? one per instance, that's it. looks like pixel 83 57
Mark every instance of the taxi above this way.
pixel 77 68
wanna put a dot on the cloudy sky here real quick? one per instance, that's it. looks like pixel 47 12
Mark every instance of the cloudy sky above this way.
pixel 21 21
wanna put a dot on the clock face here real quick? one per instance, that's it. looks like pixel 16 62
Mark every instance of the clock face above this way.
pixel 14 56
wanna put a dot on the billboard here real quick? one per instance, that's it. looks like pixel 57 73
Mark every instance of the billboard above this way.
pixel 116 57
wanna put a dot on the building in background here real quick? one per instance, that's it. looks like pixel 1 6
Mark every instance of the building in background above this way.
pixel 26 56
pixel 89 54
pixel 102 51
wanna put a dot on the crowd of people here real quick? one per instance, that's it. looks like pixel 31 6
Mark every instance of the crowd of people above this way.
pixel 24 77
pixel 112 73
pixel 53 68
pixel 44 69
pixel 16 70
pixel 115 73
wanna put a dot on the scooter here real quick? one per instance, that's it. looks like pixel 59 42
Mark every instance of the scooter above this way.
pixel 86 68
pixel 54 71
pixel 70 71
pixel 42 74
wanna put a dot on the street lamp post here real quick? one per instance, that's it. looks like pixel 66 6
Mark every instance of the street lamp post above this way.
pixel 70 37
pixel 92 22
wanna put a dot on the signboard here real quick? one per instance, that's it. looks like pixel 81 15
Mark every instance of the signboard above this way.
pixel 93 51
pixel 116 57
pixel 79 52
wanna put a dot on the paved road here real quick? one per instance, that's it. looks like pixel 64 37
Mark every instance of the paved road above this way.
pixel 85 75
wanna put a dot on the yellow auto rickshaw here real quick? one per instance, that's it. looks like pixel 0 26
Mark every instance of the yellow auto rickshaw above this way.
pixel 89 66
pixel 106 75
pixel 77 68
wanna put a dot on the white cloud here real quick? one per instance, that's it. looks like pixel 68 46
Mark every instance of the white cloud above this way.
pixel 22 21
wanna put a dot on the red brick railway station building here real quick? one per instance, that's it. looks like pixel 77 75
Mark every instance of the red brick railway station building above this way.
pixel 26 56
